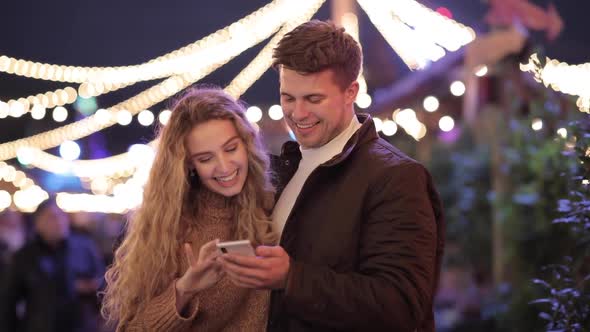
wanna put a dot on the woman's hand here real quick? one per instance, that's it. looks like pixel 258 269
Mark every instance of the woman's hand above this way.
pixel 202 273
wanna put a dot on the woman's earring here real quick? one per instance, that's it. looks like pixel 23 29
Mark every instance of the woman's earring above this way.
pixel 193 178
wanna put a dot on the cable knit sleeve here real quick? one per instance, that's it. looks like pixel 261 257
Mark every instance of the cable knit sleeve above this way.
pixel 161 314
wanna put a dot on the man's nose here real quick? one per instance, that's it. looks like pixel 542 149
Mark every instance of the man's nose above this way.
pixel 299 111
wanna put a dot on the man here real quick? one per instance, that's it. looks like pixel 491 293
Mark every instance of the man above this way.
pixel 56 276
pixel 361 223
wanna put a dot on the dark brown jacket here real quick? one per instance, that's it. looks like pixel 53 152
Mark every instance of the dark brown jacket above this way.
pixel 365 237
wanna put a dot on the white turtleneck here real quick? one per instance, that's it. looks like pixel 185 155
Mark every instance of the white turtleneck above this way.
pixel 310 160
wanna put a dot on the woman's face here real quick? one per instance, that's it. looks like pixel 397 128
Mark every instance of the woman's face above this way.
pixel 219 156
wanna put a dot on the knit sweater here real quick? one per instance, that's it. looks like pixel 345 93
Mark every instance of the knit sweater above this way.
pixel 223 307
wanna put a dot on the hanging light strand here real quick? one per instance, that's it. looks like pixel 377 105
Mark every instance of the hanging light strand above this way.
pixel 143 100
pixel 560 76
pixel 247 30
pixel 123 163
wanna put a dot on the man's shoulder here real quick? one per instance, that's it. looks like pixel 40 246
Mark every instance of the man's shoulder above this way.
pixel 380 153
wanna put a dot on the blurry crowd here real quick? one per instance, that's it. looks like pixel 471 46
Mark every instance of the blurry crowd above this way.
pixel 52 267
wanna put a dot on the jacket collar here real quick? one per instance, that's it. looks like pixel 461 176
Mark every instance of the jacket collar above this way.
pixel 364 134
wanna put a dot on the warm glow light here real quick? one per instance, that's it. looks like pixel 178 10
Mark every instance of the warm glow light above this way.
pixel 103 116
pixel 5 199
pixel 389 128
pixel 60 114
pixel 431 104
pixel 562 132
pixel 292 13
pixel 405 116
pixel 537 124
pixel 481 71
pixel 145 118
pixel 275 112
pixel 446 123
pixel 25 155
pixel 69 150
pixel 254 114
pixel 38 112
pixel 560 76
pixel 363 100
pixel 124 117
pixel 457 88
pixel 4 109
pixel 17 109
pixel 164 116
pixel 378 124
pixel 417 33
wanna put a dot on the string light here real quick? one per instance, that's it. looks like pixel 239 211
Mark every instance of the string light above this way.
pixel 378 124
pixel 431 104
pixel 5 200
pixel 254 114
pixel 69 150
pixel 60 114
pixel 164 116
pixel 27 196
pixel 457 88
pixel 109 166
pixel 537 124
pixel 481 71
pixel 145 118
pixel 415 31
pixel 389 128
pixel 215 59
pixel 446 123
pixel 259 24
pixel 398 35
pixel 560 76
pixel 124 117
pixel 443 30
pixel 17 108
pixel 243 34
pixel 252 72
pixel 407 119
pixel 275 112
pixel 4 109
pixel 48 99
pixel 38 112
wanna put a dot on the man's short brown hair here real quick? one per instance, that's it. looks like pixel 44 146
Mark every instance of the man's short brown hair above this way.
pixel 317 45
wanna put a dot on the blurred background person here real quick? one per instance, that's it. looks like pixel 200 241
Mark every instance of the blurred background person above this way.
pixel 12 236
pixel 53 279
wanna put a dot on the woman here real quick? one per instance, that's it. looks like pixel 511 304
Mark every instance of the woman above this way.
pixel 209 181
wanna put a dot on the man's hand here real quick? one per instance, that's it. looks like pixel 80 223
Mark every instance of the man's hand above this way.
pixel 268 270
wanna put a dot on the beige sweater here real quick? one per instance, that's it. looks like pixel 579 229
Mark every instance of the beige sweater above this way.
pixel 223 307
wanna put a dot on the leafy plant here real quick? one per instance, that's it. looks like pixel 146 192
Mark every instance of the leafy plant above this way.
pixel 566 289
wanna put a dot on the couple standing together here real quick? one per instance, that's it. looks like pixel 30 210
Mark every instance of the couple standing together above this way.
pixel 348 230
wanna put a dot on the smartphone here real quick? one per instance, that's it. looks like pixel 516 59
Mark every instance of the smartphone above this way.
pixel 242 247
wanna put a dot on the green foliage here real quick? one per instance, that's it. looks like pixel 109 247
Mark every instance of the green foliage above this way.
pixel 535 173
pixel 565 303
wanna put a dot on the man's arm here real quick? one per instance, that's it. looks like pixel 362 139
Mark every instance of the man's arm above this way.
pixel 395 280
pixel 394 283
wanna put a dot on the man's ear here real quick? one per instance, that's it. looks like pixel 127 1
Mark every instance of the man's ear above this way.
pixel 351 92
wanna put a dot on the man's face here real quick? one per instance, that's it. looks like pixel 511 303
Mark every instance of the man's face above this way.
pixel 316 108
pixel 52 224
